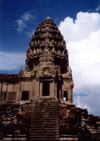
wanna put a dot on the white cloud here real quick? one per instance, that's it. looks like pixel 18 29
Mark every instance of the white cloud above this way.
pixel 55 20
pixel 83 42
pixel 81 28
pixel 27 16
pixel 79 103
pixel 11 61
pixel 30 33
pixel 21 25
pixel 90 102
pixel 98 8
pixel 22 22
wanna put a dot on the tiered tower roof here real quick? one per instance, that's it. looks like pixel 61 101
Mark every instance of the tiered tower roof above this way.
pixel 47 37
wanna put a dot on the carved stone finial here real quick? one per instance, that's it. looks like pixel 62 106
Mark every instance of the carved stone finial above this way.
pixel 21 69
pixel 48 18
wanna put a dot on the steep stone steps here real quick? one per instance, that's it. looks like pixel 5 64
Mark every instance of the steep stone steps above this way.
pixel 44 121
pixel 15 137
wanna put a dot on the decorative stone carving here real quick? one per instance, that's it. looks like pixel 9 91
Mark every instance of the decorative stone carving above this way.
pixel 68 74
pixel 47 39
pixel 46 69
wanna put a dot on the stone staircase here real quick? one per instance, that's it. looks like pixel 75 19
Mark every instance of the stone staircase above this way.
pixel 44 121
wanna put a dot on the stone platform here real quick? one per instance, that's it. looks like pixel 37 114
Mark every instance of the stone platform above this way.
pixel 47 120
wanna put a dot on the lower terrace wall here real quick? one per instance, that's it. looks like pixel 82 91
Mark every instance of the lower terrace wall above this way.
pixel 14 124
pixel 74 123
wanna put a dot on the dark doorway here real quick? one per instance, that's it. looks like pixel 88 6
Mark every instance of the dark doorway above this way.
pixel 45 91
pixel 4 96
pixel 25 95
pixel 65 95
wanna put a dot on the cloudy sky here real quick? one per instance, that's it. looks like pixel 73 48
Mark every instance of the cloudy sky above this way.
pixel 78 21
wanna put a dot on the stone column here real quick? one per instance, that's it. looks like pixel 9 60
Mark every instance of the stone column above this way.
pixel 69 95
pixel 55 87
pixel 7 93
pixel 41 88
pixel 18 92
pixel 52 89
pixel 37 88
pixel 32 92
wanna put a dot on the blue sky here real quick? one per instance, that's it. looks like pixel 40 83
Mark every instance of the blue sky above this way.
pixel 79 22
pixel 12 10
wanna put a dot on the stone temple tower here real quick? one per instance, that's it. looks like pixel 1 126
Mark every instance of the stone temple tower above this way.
pixel 48 64
pixel 37 104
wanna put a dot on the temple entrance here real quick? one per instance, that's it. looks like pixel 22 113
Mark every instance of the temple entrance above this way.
pixel 45 90
pixel 25 95
pixel 65 96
